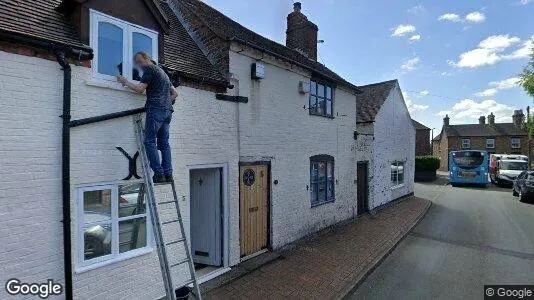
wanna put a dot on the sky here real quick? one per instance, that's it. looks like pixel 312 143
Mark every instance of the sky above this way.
pixel 455 57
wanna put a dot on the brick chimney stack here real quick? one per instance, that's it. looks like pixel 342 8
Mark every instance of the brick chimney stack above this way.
pixel 482 120
pixel 301 34
pixel 446 120
pixel 491 119
pixel 519 118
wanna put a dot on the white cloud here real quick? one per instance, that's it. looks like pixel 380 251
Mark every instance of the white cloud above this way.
pixel 424 92
pixel 444 113
pixel 490 51
pixel 523 52
pixel 415 37
pixel 411 64
pixel 475 17
pixel 412 107
pixel 450 17
pixel 402 30
pixel 417 9
pixel 525 2
pixel 496 86
pixel 467 110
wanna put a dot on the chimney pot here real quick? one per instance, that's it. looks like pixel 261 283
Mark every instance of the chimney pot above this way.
pixel 297 6
pixel 446 120
pixel 491 119
pixel 518 117
pixel 482 120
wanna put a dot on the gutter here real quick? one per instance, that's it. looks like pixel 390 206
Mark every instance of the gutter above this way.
pixel 62 52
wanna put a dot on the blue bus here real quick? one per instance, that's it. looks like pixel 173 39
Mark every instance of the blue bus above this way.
pixel 468 167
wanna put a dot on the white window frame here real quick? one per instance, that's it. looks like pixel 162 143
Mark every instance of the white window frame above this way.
pixel 115 256
pixel 466 143
pixel 395 183
pixel 517 145
pixel 128 29
pixel 492 143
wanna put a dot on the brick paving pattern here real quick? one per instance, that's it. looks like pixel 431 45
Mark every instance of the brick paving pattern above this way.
pixel 329 265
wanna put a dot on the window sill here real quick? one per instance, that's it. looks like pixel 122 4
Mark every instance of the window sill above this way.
pixel 126 256
pixel 323 203
pixel 324 116
pixel 108 84
pixel 395 187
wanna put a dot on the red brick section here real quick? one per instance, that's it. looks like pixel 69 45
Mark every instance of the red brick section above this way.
pixel 330 265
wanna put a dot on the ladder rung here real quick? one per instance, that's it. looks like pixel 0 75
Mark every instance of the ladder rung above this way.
pixel 169 222
pixel 175 242
pixel 180 262
pixel 165 202
pixel 188 282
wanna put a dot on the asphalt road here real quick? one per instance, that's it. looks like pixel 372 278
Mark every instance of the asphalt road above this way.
pixel 470 237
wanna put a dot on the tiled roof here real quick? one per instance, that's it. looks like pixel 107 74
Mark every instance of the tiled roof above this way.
pixel 38 19
pixel 497 129
pixel 371 99
pixel 419 126
pixel 226 29
pixel 183 54
pixel 41 20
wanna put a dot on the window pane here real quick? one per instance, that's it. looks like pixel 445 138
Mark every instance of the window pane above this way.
pixel 314 195
pixel 320 90
pixel 313 104
pixel 132 234
pixel 394 173
pixel 131 200
pixel 328 92
pixel 110 49
pixel 329 107
pixel 313 173
pixel 313 88
pixel 322 192
pixel 140 42
pixel 97 241
pixel 97 206
pixel 330 193
pixel 322 171
pixel 321 106
pixel 400 172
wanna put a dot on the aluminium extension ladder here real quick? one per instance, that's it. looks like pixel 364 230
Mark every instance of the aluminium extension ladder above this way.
pixel 165 213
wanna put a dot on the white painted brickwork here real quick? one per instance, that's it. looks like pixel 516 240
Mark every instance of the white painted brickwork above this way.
pixel 394 141
pixel 275 127
pixel 203 132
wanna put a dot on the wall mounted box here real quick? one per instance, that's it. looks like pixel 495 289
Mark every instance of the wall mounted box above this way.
pixel 258 71
pixel 304 87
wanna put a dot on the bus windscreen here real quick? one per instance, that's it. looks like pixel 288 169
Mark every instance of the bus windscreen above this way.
pixel 468 160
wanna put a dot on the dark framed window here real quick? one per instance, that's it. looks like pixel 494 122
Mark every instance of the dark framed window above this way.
pixel 322 179
pixel 321 99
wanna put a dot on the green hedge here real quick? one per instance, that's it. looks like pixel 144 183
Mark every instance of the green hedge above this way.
pixel 426 163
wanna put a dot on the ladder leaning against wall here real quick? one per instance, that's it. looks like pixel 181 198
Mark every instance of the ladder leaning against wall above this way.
pixel 172 246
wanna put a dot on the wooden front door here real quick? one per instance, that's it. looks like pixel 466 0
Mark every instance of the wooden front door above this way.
pixel 254 208
pixel 363 187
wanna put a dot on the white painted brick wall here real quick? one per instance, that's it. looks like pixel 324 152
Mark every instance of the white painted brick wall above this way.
pixel 204 131
pixel 274 126
pixel 394 140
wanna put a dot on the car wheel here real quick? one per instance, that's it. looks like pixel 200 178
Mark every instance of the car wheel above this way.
pixel 93 247
pixel 514 193
pixel 522 197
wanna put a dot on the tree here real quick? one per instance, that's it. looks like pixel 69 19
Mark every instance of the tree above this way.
pixel 527 76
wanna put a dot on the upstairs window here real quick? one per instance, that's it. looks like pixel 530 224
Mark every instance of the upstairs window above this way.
pixel 516 143
pixel 322 179
pixel 490 143
pixel 466 144
pixel 321 99
pixel 115 42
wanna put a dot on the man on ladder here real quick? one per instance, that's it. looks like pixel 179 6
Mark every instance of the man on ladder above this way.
pixel 160 96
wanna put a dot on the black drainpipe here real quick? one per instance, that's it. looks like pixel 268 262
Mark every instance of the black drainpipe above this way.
pixel 65 171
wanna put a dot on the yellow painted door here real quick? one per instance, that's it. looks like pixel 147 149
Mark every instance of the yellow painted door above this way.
pixel 254 208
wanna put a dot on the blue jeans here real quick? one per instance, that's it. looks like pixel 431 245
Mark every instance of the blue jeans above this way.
pixel 157 138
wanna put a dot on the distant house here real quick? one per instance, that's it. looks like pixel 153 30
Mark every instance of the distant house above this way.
pixel 385 142
pixel 506 138
pixel 422 139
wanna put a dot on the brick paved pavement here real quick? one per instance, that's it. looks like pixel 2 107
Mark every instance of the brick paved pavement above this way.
pixel 331 264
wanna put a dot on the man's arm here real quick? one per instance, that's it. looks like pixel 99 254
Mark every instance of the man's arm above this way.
pixel 136 87
pixel 174 93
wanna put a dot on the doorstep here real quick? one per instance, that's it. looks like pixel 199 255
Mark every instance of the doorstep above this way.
pixel 326 265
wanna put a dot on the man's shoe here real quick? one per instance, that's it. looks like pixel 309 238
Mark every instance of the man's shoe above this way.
pixel 159 179
pixel 169 178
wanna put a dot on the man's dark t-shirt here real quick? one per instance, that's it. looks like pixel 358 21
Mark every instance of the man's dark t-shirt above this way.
pixel 158 91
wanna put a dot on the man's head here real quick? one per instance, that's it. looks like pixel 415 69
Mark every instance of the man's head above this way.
pixel 142 59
